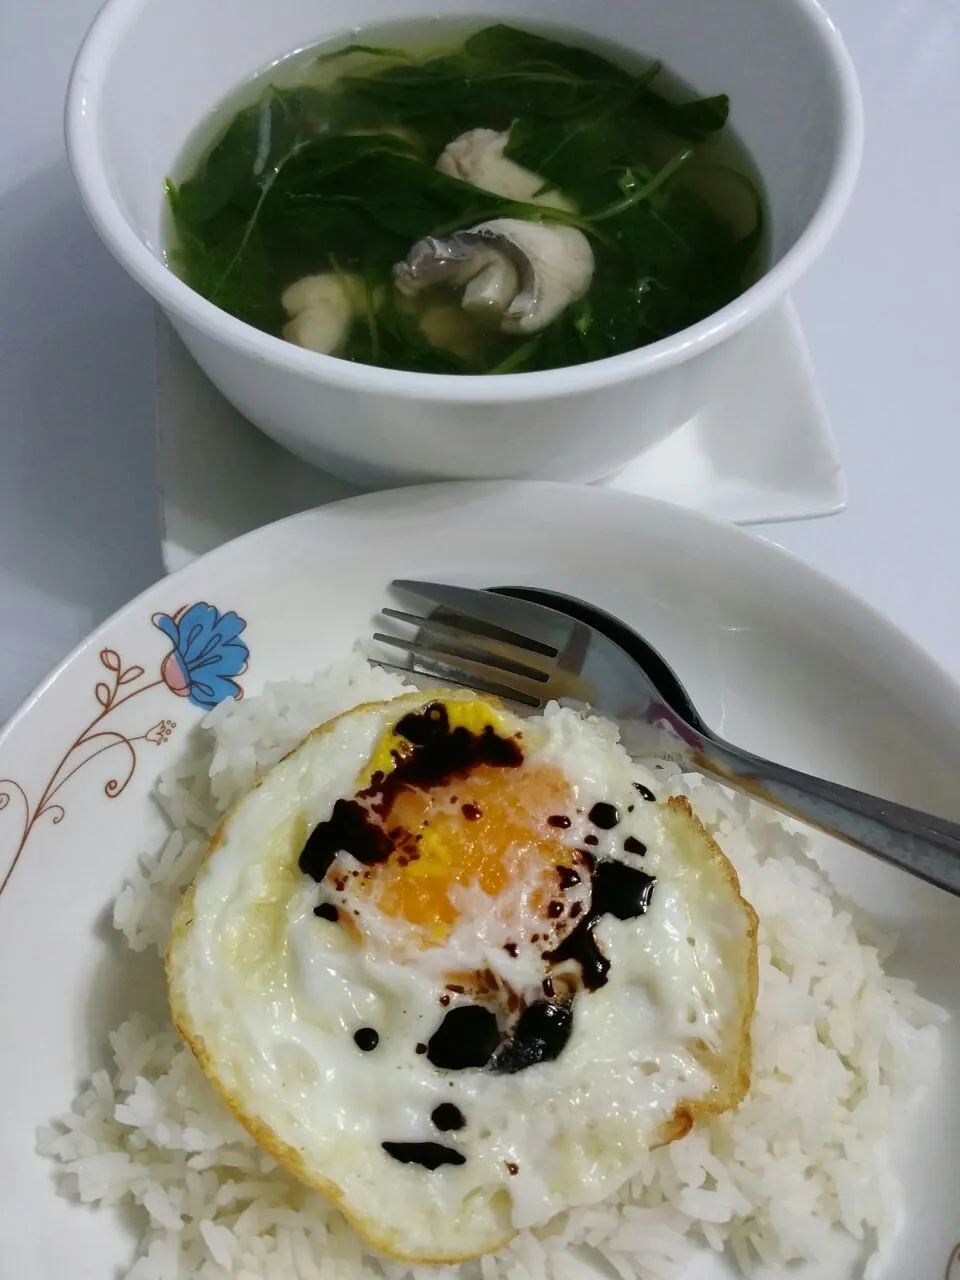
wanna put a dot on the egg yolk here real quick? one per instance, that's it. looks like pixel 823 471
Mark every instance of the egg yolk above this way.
pixel 490 832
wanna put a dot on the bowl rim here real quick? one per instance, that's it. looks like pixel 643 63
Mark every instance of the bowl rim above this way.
pixel 81 119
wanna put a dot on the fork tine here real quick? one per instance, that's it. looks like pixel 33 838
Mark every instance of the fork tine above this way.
pixel 451 675
pixel 497 653
pixel 482 613
pixel 508 685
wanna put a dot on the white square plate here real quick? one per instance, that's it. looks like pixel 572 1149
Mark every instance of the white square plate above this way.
pixel 762 451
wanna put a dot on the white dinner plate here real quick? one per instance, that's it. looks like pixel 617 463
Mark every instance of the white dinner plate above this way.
pixel 777 657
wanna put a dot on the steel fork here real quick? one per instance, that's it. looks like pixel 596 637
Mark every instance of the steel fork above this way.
pixel 532 647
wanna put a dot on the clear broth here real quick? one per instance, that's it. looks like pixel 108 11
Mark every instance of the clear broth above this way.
pixel 270 225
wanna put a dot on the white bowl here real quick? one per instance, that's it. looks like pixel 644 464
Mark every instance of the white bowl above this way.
pixel 149 72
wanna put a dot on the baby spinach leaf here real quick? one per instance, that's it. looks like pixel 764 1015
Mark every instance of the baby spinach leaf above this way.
pixel 247 154
pixel 636 191
pixel 693 120
pixel 348 50
pixel 570 156
pixel 226 172
pixel 235 272
pixel 503 46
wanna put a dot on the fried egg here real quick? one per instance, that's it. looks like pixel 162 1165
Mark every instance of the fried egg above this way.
pixel 460 971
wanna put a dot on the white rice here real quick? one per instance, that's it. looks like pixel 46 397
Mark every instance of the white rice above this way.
pixel 840 1050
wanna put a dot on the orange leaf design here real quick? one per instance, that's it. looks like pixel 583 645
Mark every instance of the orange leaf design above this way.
pixel 110 659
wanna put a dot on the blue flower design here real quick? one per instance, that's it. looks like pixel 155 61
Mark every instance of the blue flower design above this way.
pixel 206 654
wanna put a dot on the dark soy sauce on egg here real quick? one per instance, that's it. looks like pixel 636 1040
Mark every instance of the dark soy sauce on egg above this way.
pixel 618 890
pixel 621 891
pixel 467 1037
pixel 604 816
pixel 582 947
pixel 439 754
pixel 541 1034
pixel 447 1117
pixel 431 1155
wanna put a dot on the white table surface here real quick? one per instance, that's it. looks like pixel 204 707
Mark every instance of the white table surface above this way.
pixel 79 529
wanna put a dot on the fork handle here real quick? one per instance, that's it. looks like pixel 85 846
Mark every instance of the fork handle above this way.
pixel 918 842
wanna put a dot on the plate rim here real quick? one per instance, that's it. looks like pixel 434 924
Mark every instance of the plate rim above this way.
pixel 864 611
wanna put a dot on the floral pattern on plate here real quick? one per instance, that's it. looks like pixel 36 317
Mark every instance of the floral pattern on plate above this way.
pixel 207 654
pixel 203 665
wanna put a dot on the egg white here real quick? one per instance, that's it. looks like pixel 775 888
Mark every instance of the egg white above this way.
pixel 269 997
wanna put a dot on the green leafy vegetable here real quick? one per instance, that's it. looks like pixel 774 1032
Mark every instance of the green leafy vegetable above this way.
pixel 342 177
pixel 373 50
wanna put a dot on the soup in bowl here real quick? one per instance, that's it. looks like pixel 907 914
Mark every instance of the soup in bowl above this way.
pixel 445 245
pixel 499 201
